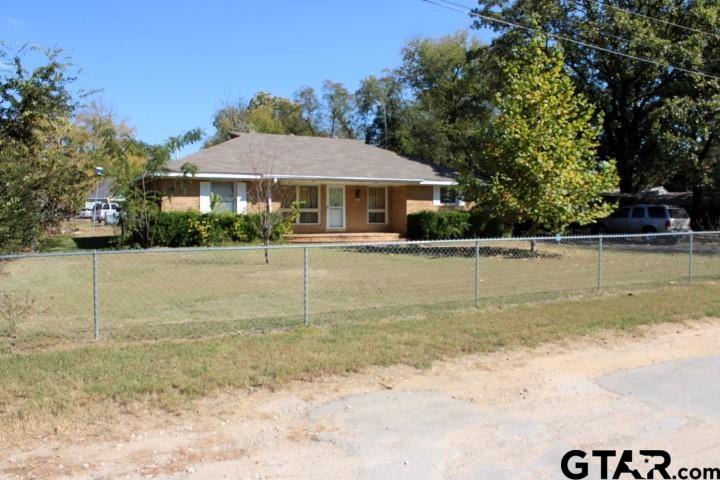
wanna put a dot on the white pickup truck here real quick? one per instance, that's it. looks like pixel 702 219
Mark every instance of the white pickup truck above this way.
pixel 104 212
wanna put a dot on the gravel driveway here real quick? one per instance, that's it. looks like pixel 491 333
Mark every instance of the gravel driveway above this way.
pixel 508 415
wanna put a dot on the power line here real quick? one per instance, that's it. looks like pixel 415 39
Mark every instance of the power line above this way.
pixel 456 7
pixel 648 17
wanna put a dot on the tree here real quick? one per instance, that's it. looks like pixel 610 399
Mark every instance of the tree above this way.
pixel 340 105
pixel 43 176
pixel 264 113
pixel 380 102
pixel 687 129
pixel 270 114
pixel 229 119
pixel 451 82
pixel 135 180
pixel 310 109
pixel 266 221
pixel 627 91
pixel 132 166
pixel 540 149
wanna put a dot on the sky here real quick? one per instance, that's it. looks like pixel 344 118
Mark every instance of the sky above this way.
pixel 165 66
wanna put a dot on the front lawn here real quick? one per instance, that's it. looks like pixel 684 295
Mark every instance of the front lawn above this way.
pixel 154 295
pixel 43 389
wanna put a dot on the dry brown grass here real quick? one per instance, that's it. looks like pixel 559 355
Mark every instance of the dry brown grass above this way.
pixel 41 390
pixel 189 295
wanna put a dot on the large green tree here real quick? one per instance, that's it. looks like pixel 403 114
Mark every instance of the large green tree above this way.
pixel 228 119
pixel 687 129
pixel 340 107
pixel 381 107
pixel 43 175
pixel 431 105
pixel 450 82
pixel 629 92
pixel 266 113
pixel 538 161
pixel 310 108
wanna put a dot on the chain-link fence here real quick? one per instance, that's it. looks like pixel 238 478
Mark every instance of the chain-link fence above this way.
pixel 185 293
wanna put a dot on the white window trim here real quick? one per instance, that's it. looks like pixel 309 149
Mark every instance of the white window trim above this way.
pixel 241 203
pixel 437 198
pixel 306 210
pixel 205 190
pixel 344 206
pixel 377 210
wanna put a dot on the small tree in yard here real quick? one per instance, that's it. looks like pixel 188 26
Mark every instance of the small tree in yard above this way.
pixel 135 166
pixel 540 148
pixel 268 222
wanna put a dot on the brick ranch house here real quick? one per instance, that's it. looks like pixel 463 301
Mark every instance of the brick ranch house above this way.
pixel 348 190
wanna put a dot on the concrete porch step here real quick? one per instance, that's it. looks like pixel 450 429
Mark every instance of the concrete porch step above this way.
pixel 342 237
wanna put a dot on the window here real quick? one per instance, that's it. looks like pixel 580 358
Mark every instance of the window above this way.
pixel 656 212
pixel 621 212
pixel 377 205
pixel 308 198
pixel 222 197
pixel 448 196
pixel 638 212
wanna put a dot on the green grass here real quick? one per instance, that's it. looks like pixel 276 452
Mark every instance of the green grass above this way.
pixel 79 234
pixel 181 294
pixel 44 388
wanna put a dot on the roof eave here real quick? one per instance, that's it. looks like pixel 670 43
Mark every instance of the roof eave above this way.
pixel 246 176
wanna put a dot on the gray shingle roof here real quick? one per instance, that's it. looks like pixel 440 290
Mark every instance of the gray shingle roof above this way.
pixel 310 157
pixel 104 189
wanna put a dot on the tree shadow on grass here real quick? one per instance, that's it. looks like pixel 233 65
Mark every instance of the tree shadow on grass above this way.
pixel 449 251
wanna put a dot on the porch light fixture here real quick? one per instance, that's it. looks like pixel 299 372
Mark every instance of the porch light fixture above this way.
pixel 357 194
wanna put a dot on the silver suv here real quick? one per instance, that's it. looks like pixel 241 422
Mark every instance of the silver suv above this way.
pixel 646 219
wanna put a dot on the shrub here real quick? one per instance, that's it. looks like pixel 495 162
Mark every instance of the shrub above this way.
pixel 193 229
pixel 252 230
pixel 453 224
pixel 441 225
pixel 484 225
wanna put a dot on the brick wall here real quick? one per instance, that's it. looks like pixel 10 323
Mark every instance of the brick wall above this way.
pixel 185 195
pixel 420 197
pixel 398 209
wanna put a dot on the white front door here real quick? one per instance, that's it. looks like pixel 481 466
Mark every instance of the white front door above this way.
pixel 336 207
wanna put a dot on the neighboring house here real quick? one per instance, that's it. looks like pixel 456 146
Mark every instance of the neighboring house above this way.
pixel 102 192
pixel 101 195
pixel 344 186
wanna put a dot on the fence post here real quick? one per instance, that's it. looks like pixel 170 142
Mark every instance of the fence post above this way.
pixel 306 306
pixel 96 296
pixel 690 259
pixel 600 263
pixel 477 272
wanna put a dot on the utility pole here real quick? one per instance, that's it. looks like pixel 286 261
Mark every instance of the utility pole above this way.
pixel 99 172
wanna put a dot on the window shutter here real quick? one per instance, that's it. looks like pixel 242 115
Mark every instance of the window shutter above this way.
pixel 205 197
pixel 240 197
pixel 436 196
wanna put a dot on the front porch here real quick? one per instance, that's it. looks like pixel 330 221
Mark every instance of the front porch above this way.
pixel 334 212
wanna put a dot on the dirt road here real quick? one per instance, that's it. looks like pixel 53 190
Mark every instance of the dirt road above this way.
pixel 509 415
